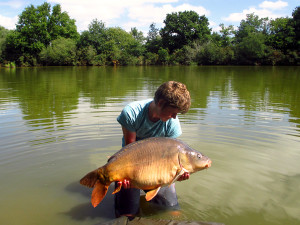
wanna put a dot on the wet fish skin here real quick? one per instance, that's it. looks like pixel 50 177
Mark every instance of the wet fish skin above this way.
pixel 148 164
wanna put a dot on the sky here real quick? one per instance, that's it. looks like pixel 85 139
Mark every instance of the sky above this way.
pixel 141 13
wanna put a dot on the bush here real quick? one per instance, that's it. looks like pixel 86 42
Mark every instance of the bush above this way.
pixel 61 52
pixel 86 55
pixel 150 58
pixel 99 60
pixel 163 56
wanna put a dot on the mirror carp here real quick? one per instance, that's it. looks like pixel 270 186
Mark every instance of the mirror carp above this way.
pixel 148 164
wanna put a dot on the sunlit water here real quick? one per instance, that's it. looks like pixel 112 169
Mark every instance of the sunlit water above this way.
pixel 59 123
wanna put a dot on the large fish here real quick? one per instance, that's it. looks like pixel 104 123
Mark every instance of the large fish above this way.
pixel 148 164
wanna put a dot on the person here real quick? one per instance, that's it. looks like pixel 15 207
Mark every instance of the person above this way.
pixel 152 118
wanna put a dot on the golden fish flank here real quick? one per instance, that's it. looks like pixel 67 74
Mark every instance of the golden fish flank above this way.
pixel 148 164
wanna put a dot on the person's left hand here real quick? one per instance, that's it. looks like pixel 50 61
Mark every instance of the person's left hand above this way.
pixel 125 184
pixel 184 176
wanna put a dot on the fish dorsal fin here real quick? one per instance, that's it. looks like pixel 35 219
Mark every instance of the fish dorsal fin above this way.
pixel 151 194
pixel 99 193
pixel 178 174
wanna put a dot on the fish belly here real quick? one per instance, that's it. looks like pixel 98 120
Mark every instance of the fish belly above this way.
pixel 146 168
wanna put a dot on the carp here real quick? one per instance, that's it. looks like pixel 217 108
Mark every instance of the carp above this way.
pixel 148 164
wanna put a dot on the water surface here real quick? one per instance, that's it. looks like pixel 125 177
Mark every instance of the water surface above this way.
pixel 58 123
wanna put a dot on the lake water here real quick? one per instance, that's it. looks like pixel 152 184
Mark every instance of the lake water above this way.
pixel 58 123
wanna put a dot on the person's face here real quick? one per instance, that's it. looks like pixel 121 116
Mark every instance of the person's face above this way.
pixel 167 113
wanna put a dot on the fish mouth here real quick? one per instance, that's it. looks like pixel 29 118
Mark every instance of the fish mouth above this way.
pixel 208 164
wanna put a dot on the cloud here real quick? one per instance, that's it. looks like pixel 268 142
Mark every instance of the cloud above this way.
pixel 8 22
pixel 85 11
pixel 266 9
pixel 273 5
pixel 214 26
pixel 146 14
pixel 140 13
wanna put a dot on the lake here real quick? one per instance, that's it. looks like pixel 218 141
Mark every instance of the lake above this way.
pixel 58 123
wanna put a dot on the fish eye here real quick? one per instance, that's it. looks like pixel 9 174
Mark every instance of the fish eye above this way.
pixel 199 156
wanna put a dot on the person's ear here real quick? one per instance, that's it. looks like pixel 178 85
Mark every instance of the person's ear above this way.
pixel 161 103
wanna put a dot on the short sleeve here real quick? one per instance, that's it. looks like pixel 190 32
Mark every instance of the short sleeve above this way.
pixel 127 118
pixel 173 128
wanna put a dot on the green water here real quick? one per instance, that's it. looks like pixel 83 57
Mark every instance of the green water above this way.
pixel 59 123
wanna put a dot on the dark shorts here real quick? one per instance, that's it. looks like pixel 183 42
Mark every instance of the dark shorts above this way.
pixel 127 201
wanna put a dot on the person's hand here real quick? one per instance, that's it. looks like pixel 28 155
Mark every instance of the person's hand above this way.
pixel 184 176
pixel 125 184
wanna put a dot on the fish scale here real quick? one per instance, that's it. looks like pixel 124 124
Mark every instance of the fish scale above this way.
pixel 148 164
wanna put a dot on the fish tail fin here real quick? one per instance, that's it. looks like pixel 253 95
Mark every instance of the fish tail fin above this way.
pixel 90 179
pixel 99 193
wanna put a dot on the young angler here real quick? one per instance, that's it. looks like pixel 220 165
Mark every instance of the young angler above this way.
pixel 152 118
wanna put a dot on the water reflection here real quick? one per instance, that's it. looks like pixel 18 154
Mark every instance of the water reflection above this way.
pixel 60 122
pixel 52 93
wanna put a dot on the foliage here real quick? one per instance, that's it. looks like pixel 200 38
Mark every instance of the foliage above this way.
pixel 86 56
pixel 281 36
pixel 252 25
pixel 49 37
pixel 251 50
pixel 153 40
pixel 150 58
pixel 227 35
pixel 137 35
pixel 122 47
pixel 296 25
pixel 251 40
pixel 99 60
pixel 183 28
pixel 61 52
pixel 35 30
pixel 163 56
pixel 94 37
pixel 3 34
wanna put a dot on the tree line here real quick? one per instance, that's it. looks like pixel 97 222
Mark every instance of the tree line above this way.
pixel 48 36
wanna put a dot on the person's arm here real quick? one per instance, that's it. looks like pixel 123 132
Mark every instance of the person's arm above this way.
pixel 174 131
pixel 129 137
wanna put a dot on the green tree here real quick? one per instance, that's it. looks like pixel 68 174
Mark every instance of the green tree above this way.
pixel 163 56
pixel 216 38
pixel 95 36
pixel 281 34
pixel 138 35
pixel 252 49
pixel 296 24
pixel 121 46
pixel 61 52
pixel 61 25
pixel 226 35
pixel 3 34
pixel 153 40
pixel 183 28
pixel 252 24
pixel 35 30
pixel 251 39
pixel 137 47
pixel 86 56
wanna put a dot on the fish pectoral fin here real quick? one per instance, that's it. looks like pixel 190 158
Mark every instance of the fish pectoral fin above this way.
pixel 118 188
pixel 178 174
pixel 151 194
pixel 98 193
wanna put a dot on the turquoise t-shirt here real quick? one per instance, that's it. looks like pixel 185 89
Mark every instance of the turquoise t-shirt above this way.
pixel 134 117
